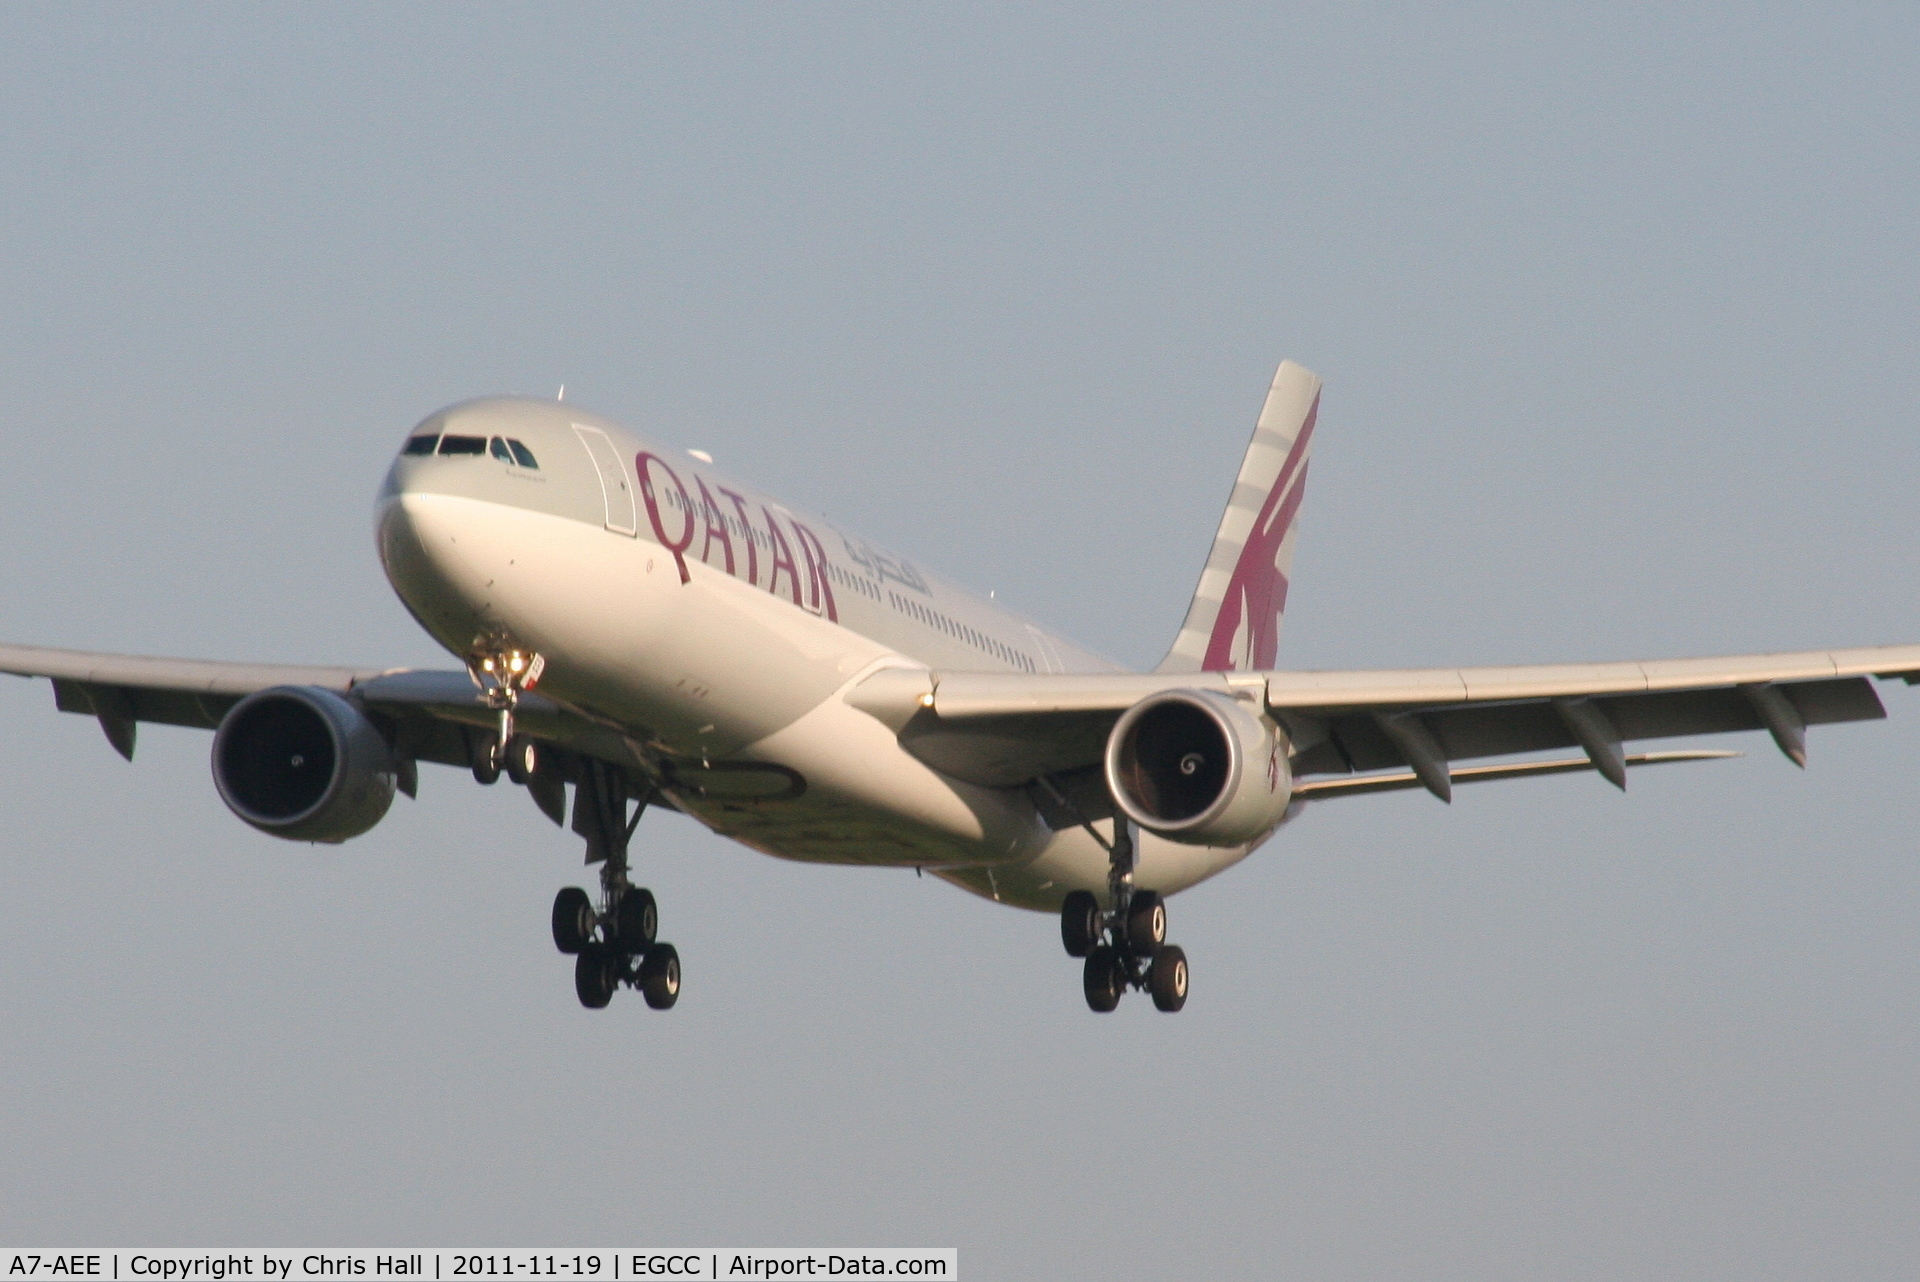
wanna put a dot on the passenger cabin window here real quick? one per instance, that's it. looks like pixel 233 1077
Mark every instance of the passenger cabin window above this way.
pixel 420 445
pixel 463 445
pixel 498 448
pixel 522 455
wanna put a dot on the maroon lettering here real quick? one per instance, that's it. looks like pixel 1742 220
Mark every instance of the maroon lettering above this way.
pixel 716 526
pixel 746 530
pixel 782 557
pixel 644 463
pixel 819 588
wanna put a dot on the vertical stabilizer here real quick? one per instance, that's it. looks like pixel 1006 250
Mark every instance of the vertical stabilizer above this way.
pixel 1233 624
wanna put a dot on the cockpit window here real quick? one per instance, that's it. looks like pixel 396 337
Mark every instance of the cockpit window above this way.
pixel 463 445
pixel 498 448
pixel 420 445
pixel 522 454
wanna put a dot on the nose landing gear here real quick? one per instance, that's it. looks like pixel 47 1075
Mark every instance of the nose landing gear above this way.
pixel 503 670
pixel 613 945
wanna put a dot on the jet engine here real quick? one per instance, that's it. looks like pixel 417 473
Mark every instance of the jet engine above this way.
pixel 303 763
pixel 1199 767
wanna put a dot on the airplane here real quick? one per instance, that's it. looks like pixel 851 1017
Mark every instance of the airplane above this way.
pixel 638 628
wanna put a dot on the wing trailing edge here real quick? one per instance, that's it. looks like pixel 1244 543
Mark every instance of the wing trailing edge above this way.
pixel 1360 785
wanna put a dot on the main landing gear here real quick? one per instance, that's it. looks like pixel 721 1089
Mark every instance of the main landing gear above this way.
pixel 614 943
pixel 1125 947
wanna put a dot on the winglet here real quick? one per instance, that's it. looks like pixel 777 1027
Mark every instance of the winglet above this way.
pixel 1233 622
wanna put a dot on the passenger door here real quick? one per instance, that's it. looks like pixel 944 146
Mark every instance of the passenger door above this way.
pixel 614 485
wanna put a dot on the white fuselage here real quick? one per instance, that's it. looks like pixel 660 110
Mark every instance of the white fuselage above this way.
pixel 718 632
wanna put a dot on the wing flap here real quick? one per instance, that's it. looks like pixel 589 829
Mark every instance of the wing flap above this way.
pixel 1356 742
pixel 1360 785
pixel 133 703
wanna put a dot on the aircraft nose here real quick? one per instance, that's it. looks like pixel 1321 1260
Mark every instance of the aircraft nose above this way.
pixel 420 552
pixel 403 543
pixel 453 477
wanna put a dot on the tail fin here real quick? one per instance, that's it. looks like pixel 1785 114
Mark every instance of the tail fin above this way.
pixel 1233 623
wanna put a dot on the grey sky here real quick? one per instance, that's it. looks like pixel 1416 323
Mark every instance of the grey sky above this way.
pixel 1616 315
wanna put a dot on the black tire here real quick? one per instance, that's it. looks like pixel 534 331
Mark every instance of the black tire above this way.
pixel 1080 923
pixel 573 920
pixel 522 759
pixel 1146 923
pixel 1105 978
pixel 660 976
pixel 596 973
pixel 1167 977
pixel 484 760
pixel 636 920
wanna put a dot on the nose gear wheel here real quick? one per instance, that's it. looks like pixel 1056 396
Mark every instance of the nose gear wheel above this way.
pixel 503 670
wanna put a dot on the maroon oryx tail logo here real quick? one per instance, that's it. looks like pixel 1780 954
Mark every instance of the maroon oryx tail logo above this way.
pixel 1246 633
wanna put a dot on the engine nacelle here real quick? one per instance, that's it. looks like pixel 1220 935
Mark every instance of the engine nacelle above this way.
pixel 1200 767
pixel 303 763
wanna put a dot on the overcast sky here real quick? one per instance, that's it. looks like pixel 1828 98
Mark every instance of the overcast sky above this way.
pixel 1617 320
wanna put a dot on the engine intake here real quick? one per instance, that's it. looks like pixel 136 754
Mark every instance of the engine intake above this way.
pixel 1199 767
pixel 303 763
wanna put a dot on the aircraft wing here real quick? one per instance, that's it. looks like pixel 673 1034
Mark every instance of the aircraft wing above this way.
pixel 427 710
pixel 1007 729
pixel 125 689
